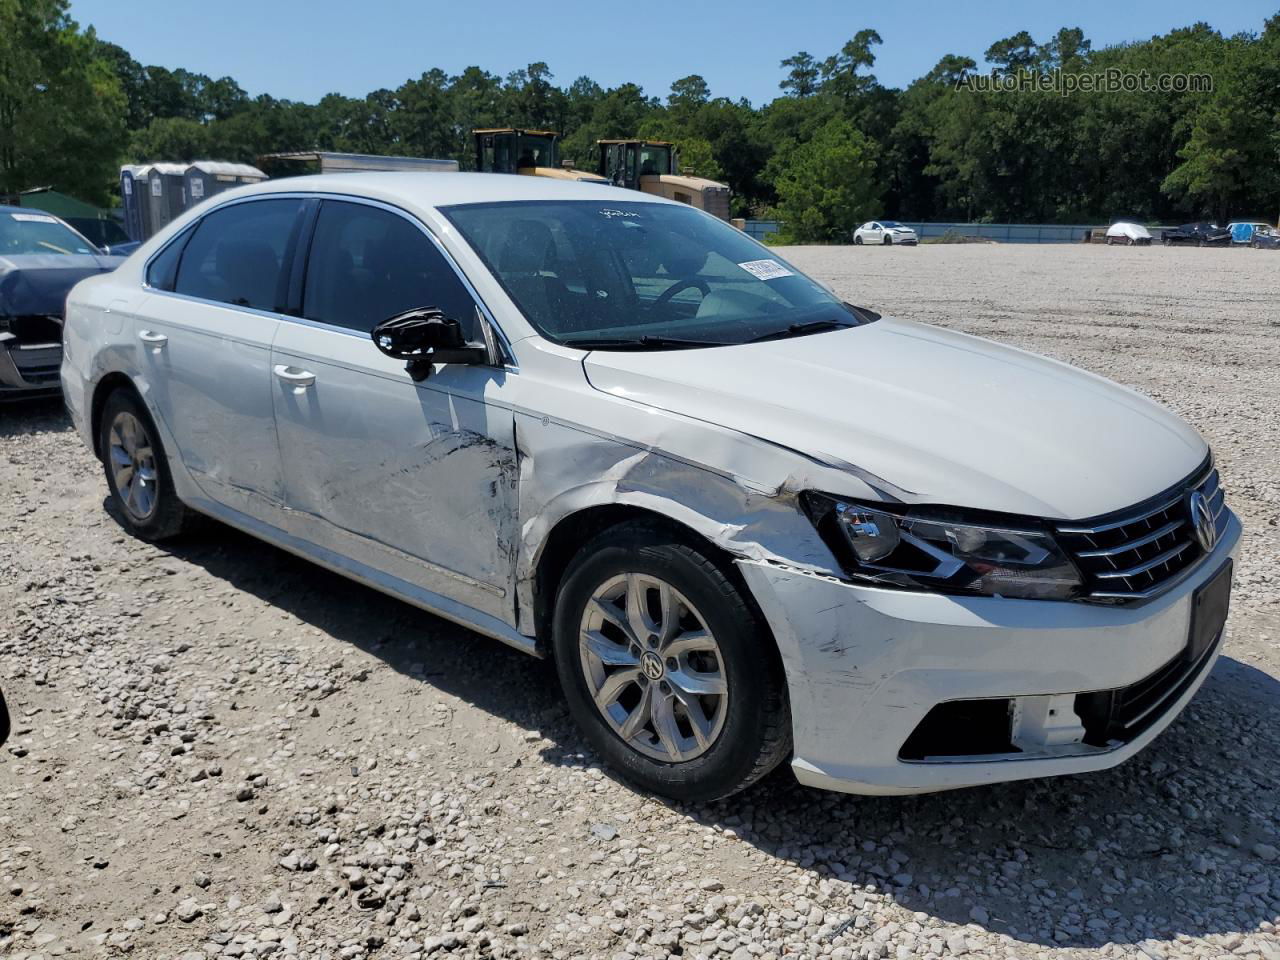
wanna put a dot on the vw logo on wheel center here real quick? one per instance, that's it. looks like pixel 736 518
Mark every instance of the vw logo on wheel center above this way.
pixel 1202 521
pixel 651 664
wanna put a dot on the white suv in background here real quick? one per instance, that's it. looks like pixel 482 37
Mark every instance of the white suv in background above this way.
pixel 750 522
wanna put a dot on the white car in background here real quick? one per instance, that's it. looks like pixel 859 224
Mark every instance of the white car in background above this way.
pixel 886 233
pixel 1128 233
pixel 749 522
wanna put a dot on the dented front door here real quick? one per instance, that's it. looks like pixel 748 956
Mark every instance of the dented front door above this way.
pixel 416 480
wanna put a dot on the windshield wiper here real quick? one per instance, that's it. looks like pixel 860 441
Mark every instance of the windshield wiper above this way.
pixel 647 342
pixel 800 329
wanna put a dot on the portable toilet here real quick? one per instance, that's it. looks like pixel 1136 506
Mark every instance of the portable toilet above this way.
pixel 204 178
pixel 166 195
pixel 133 197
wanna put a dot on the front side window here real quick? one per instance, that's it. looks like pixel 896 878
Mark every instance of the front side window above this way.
pixel 368 265
pixel 29 233
pixel 237 255
pixel 633 275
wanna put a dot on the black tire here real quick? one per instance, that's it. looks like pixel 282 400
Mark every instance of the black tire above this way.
pixel 857 241
pixel 756 732
pixel 167 516
pixel 888 241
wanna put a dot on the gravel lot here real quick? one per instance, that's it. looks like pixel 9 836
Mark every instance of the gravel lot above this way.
pixel 221 750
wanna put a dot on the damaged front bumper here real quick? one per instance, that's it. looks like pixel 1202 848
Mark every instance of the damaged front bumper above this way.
pixel 894 691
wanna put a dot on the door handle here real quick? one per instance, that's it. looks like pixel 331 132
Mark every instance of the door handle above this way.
pixel 153 339
pixel 294 376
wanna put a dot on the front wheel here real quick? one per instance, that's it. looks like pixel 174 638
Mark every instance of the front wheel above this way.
pixel 137 471
pixel 888 241
pixel 667 667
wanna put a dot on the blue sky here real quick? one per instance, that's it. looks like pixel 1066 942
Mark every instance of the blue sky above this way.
pixel 303 49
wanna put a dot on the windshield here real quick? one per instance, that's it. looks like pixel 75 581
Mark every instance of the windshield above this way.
pixel 22 233
pixel 625 275
pixel 536 151
pixel 655 160
pixel 892 224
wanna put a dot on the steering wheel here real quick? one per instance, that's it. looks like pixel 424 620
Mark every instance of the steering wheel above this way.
pixel 665 297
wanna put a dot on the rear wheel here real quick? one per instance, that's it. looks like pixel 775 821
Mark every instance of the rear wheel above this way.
pixel 137 471
pixel 667 667
pixel 857 241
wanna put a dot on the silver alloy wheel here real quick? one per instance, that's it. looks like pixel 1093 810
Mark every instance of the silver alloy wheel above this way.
pixel 653 668
pixel 133 465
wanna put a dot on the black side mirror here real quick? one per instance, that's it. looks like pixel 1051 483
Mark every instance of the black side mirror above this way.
pixel 424 337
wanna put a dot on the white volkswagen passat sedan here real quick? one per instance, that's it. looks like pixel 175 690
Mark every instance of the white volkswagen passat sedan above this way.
pixel 749 522
pixel 885 233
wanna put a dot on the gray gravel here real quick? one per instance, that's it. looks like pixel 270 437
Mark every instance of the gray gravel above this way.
pixel 221 750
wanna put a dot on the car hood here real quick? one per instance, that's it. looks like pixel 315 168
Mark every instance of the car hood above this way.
pixel 940 416
pixel 38 283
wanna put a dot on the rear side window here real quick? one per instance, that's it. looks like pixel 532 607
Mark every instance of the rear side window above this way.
pixel 367 265
pixel 237 255
pixel 163 271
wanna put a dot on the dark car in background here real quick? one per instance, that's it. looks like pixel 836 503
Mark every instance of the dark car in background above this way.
pixel 1265 238
pixel 1197 234
pixel 41 259
pixel 107 235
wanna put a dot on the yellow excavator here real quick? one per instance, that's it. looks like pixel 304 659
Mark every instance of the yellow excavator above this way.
pixel 652 166
pixel 532 153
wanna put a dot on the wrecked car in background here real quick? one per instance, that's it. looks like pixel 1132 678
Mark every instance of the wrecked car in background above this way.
pixel 1196 234
pixel 1265 238
pixel 749 522
pixel 41 259
pixel 1128 233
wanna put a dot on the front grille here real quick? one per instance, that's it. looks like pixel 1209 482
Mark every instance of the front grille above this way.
pixel 1122 715
pixel 1134 554
pixel 36 328
pixel 38 365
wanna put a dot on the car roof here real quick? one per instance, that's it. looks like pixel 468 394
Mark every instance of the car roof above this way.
pixel 442 189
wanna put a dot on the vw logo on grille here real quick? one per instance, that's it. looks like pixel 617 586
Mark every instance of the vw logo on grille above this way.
pixel 1202 521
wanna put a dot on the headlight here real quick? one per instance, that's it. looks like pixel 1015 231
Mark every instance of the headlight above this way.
pixel 943 550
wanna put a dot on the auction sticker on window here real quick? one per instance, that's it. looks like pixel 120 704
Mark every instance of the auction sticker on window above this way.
pixel 33 218
pixel 766 269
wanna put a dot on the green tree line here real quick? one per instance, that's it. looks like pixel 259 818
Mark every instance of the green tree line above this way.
pixel 834 148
